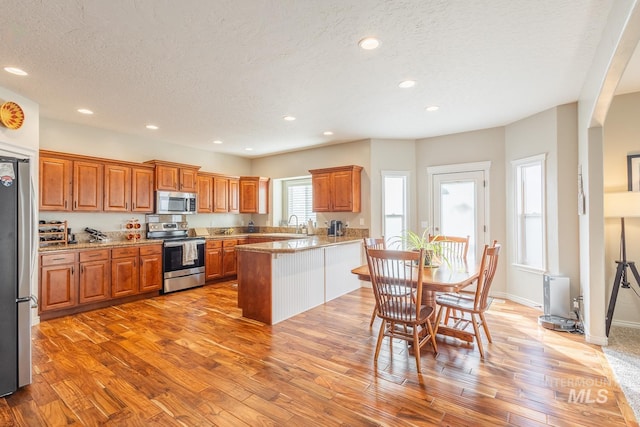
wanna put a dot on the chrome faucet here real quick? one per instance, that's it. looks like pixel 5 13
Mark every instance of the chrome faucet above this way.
pixel 289 222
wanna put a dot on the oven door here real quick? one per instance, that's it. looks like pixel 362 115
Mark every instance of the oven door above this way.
pixel 173 256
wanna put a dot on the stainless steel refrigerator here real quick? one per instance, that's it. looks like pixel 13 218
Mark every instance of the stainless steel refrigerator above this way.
pixel 16 234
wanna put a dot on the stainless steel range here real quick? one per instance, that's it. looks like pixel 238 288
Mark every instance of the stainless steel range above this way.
pixel 183 256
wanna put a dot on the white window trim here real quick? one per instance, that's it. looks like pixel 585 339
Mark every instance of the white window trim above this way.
pixel 407 200
pixel 542 158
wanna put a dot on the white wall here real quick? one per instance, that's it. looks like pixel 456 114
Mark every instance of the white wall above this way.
pixel 554 133
pixel 67 137
pixel 300 162
pixel 470 147
pixel 621 136
pixel 391 155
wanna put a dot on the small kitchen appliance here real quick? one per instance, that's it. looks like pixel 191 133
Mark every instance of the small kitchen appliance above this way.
pixel 176 203
pixel 335 228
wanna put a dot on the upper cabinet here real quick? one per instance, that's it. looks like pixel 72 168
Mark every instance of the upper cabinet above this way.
pixel 175 176
pixel 336 189
pixel 128 189
pixel 254 194
pixel 55 183
pixel 205 193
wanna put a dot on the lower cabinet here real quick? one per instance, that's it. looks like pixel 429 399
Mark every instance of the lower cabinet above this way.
pixel 95 276
pixel 150 268
pixel 58 285
pixel 124 272
pixel 229 263
pixel 76 278
pixel 213 259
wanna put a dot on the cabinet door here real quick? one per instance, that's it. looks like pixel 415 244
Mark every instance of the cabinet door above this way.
pixel 87 186
pixel 342 191
pixel 141 190
pixel 229 264
pixel 95 281
pixel 220 194
pixel 117 188
pixel 213 260
pixel 321 188
pixel 205 194
pixel 150 272
pixel 55 184
pixel 166 178
pixel 188 180
pixel 234 195
pixel 57 287
pixel 124 276
pixel 248 196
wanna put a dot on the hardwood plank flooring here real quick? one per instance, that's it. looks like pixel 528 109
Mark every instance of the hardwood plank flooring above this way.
pixel 190 359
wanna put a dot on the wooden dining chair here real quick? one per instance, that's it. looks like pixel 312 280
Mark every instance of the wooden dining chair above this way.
pixel 470 308
pixel 374 243
pixel 453 247
pixel 397 285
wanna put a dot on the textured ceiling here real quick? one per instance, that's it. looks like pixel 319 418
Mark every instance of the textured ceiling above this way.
pixel 231 69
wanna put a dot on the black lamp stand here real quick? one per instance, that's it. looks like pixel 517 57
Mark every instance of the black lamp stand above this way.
pixel 621 277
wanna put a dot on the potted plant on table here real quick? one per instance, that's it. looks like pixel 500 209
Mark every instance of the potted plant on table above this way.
pixel 432 249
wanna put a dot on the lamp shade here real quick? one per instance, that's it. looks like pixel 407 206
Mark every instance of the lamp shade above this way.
pixel 624 204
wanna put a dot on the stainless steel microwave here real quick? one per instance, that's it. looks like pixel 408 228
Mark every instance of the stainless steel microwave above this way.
pixel 174 202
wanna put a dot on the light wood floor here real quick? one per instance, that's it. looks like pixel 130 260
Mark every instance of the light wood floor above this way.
pixel 189 359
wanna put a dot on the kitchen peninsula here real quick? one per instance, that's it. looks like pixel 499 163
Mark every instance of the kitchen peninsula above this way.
pixel 278 280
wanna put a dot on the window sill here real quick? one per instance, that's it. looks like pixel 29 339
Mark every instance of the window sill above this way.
pixel 529 269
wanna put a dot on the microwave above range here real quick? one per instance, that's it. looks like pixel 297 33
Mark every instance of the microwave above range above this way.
pixel 175 203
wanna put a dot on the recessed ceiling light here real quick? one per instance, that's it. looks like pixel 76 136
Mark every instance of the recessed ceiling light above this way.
pixel 248 149
pixel 289 118
pixel 369 43
pixel 407 84
pixel 85 111
pixel 328 133
pixel 16 71
pixel 217 141
pixel 432 108
pixel 152 127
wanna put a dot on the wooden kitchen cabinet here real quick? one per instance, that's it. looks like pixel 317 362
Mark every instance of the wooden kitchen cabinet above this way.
pixel 87 186
pixel 229 262
pixel 150 268
pixel 58 281
pixel 205 194
pixel 95 276
pixel 254 194
pixel 55 183
pixel 124 271
pixel 226 194
pixel 175 176
pixel 142 189
pixel 117 188
pixel 234 195
pixel 336 189
pixel 128 189
pixel 213 260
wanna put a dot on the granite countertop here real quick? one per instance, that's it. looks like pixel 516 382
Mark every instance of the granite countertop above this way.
pixel 298 244
pixel 123 243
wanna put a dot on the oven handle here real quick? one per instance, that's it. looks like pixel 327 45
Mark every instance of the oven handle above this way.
pixel 175 244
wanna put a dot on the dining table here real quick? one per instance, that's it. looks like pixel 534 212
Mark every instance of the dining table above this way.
pixel 452 276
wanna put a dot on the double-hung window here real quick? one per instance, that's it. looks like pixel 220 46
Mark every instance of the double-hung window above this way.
pixel 529 220
pixel 297 199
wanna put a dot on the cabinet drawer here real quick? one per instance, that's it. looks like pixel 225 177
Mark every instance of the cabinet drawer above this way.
pixel 229 243
pixel 124 252
pixel 57 259
pixel 213 244
pixel 97 255
pixel 151 250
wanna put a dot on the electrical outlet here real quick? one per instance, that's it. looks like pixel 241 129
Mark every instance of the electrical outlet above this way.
pixel 361 221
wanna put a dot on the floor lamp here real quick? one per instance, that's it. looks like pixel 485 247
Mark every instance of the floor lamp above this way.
pixel 621 205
